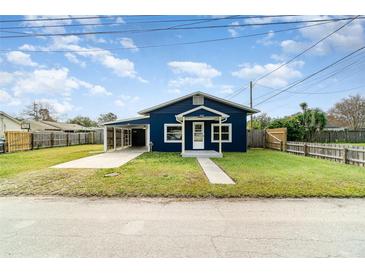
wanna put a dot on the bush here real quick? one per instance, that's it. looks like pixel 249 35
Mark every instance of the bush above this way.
pixel 296 131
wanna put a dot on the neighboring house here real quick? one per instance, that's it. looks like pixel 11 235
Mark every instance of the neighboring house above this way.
pixel 65 127
pixel 8 123
pixel 36 126
pixel 186 124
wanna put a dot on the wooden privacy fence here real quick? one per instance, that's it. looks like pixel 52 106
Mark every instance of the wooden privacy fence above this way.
pixel 256 138
pixel 275 138
pixel 18 140
pixel 348 154
pixel 346 136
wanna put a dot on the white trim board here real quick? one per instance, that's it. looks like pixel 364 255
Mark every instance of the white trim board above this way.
pixel 180 115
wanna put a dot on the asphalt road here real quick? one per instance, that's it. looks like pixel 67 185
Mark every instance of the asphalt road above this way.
pixel 70 227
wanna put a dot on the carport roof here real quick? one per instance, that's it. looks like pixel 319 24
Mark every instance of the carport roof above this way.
pixel 139 120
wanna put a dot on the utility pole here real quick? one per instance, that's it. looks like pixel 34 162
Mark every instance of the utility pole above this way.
pixel 251 121
pixel 251 86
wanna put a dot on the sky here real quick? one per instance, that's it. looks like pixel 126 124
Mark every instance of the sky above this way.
pixel 142 64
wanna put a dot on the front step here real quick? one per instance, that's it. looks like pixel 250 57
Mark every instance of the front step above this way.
pixel 202 154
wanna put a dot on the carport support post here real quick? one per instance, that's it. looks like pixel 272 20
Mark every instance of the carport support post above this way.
pixel 105 138
pixel 220 134
pixel 115 138
pixel 183 135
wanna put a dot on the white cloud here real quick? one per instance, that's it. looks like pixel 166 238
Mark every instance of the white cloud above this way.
pixel 20 58
pixel 73 59
pixel 99 90
pixel 60 107
pixel 27 47
pixel 128 43
pixel 195 69
pixel 5 78
pixel 51 82
pixel 119 20
pixel 191 74
pixel 234 30
pixel 124 100
pixel 120 66
pixel 267 40
pixel 6 98
pixel 277 79
pixel 350 37
pixel 53 29
pixel 226 89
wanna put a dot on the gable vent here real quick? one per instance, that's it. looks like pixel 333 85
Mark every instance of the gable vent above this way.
pixel 198 100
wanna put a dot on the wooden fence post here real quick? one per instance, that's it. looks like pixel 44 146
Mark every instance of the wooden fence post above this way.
pixel 52 139
pixel 305 148
pixel 345 152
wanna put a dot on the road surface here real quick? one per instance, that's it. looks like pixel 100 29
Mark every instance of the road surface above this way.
pixel 80 227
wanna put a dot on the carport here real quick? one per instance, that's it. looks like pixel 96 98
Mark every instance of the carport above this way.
pixel 126 133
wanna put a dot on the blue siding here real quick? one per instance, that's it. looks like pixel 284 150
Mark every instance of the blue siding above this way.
pixel 202 112
pixel 167 114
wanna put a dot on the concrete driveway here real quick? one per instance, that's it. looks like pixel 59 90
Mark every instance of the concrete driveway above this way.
pixel 60 227
pixel 105 160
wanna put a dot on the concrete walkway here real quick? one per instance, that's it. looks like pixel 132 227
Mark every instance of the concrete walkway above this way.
pixel 104 160
pixel 214 173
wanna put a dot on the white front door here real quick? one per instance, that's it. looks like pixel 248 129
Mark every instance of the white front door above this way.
pixel 198 135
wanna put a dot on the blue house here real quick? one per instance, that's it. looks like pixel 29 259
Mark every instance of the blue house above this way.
pixel 194 124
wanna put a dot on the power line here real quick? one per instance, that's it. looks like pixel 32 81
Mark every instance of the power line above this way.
pixel 165 29
pixel 55 19
pixel 307 49
pixel 202 20
pixel 170 44
pixel 311 75
pixel 319 79
pixel 328 92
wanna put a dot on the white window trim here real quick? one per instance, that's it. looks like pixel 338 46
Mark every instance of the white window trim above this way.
pixel 165 133
pixel 229 133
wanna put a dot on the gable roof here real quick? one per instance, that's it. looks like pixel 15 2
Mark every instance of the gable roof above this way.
pixel 221 100
pixel 66 126
pixel 2 113
pixel 40 126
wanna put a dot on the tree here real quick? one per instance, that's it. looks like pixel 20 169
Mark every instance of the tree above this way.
pixel 83 121
pixel 107 117
pixel 312 120
pixel 350 111
pixel 295 129
pixel 39 111
pixel 303 125
pixel 261 121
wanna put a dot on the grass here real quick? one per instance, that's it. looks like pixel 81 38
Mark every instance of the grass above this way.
pixel 258 173
pixel 15 163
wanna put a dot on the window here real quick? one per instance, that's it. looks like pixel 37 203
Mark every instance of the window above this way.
pixel 173 133
pixel 198 100
pixel 226 133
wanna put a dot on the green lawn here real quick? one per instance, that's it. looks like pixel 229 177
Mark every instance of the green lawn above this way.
pixel 258 173
pixel 12 164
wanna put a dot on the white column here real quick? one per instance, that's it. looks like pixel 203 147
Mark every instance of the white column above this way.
pixel 220 134
pixel 183 135
pixel 148 137
pixel 122 134
pixel 105 138
pixel 115 138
